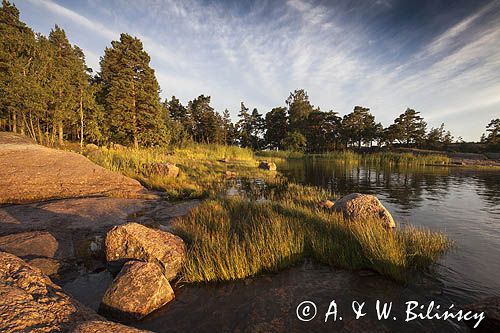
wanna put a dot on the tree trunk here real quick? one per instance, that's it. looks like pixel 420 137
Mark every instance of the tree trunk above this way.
pixel 60 131
pixel 81 118
pixel 134 118
pixel 14 122
pixel 21 125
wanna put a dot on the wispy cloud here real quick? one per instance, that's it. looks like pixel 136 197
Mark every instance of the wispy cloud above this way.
pixel 344 53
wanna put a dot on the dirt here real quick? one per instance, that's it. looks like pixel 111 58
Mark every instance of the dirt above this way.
pixel 30 172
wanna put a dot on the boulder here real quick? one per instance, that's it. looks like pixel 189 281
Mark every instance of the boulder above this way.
pixel 30 244
pixel 271 166
pixel 326 204
pixel 491 308
pixel 357 206
pixel 31 302
pixel 100 326
pixel 138 290
pixel 164 169
pixel 135 241
pixel 48 266
pixel 91 147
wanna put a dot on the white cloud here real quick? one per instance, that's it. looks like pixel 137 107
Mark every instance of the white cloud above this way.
pixel 260 55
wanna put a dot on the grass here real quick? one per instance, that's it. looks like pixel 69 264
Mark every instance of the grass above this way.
pixel 234 238
pixel 351 157
pixel 231 239
pixel 279 154
pixel 204 169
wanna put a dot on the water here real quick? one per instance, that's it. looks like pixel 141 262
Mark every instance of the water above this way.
pixel 464 204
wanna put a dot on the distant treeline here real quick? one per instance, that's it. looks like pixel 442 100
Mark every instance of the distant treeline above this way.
pixel 48 93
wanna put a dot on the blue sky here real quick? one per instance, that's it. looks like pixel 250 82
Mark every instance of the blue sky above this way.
pixel 441 58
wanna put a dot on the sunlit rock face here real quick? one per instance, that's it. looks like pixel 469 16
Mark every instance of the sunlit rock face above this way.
pixel 356 206
pixel 135 241
pixel 138 290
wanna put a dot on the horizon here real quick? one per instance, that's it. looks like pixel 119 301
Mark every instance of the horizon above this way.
pixel 342 54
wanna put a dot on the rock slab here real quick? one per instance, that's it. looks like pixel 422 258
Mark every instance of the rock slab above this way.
pixel 30 172
pixel 357 206
pixel 31 302
pixel 138 290
pixel 135 241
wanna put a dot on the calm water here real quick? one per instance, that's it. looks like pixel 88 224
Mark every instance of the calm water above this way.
pixel 465 204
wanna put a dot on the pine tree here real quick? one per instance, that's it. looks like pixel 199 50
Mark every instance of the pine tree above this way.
pixel 359 126
pixel 276 125
pixel 244 126
pixel 299 109
pixel 409 127
pixel 257 129
pixel 17 50
pixel 131 91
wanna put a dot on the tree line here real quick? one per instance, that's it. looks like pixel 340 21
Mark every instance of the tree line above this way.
pixel 48 93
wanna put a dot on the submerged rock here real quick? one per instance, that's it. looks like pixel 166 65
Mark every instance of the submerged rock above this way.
pixel 271 166
pixel 135 241
pixel 138 290
pixel 491 309
pixel 100 326
pixel 356 206
pixel 30 301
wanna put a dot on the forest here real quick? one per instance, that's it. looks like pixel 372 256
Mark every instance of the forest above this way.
pixel 48 93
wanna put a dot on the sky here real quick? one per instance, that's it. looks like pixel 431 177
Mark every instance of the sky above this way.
pixel 441 58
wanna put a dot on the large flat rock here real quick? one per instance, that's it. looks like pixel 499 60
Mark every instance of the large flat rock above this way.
pixel 30 172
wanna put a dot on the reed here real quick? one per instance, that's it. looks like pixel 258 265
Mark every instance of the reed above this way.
pixel 204 169
pixel 232 239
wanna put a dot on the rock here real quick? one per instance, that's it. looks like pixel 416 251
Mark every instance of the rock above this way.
pixel 99 326
pixel 135 241
pixel 138 290
pixel 30 172
pixel 164 169
pixel 491 309
pixel 117 146
pixel 326 204
pixel 48 266
pixel 91 147
pixel 30 244
pixel 356 206
pixel 31 302
pixel 271 166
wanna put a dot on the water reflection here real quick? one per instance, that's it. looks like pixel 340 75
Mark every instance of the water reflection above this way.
pixel 463 203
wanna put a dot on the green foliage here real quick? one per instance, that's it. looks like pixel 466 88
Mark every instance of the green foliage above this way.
pixel 276 125
pixel 294 141
pixel 299 109
pixel 408 128
pixel 493 128
pixel 131 94
pixel 359 126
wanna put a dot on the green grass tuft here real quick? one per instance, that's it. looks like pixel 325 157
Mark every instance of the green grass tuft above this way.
pixel 232 239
